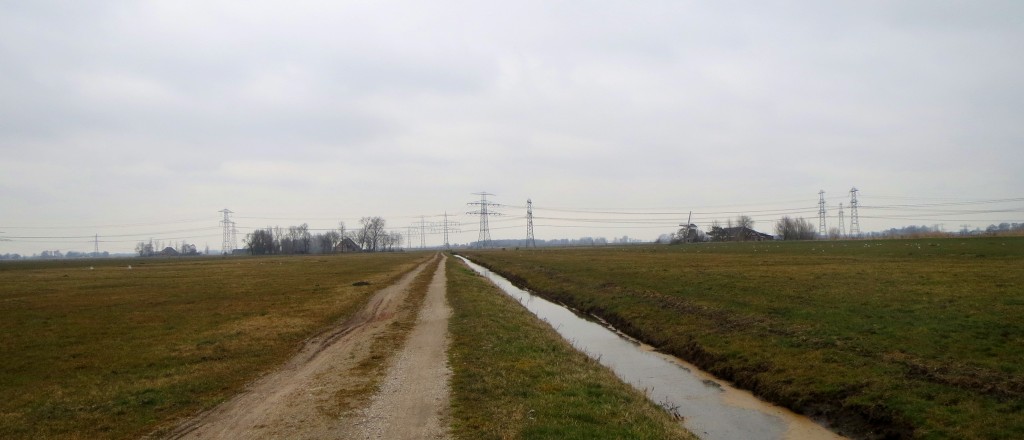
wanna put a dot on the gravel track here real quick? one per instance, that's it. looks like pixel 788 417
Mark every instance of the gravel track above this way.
pixel 300 400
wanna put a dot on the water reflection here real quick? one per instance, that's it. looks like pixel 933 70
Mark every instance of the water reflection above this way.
pixel 710 408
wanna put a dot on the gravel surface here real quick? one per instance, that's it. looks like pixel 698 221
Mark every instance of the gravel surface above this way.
pixel 412 402
pixel 299 401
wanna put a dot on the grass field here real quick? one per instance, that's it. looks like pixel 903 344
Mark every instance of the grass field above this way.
pixel 91 349
pixel 514 377
pixel 900 339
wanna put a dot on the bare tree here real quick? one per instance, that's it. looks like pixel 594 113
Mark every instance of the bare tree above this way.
pixel 372 234
pixel 279 237
pixel 744 224
pixel 396 240
pixel 328 241
pixel 744 221
pixel 260 242
pixel 304 237
pixel 795 229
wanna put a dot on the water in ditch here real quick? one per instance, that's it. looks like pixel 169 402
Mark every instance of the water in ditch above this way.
pixel 711 408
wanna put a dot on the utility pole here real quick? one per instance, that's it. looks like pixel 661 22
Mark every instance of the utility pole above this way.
pixel 854 221
pixel 226 243
pixel 485 230
pixel 530 241
pixel 822 229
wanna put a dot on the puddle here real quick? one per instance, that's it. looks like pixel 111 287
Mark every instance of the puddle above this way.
pixel 711 408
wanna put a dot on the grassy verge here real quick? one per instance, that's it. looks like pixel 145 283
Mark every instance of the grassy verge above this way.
pixel 899 339
pixel 514 377
pixel 91 349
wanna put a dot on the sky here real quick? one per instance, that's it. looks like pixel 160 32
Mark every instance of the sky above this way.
pixel 143 119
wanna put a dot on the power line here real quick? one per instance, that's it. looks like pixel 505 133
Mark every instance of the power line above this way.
pixel 123 225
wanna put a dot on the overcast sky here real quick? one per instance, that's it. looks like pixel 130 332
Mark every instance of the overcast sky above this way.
pixel 148 117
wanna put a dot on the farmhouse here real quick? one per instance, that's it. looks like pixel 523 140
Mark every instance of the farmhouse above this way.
pixel 347 245
pixel 743 233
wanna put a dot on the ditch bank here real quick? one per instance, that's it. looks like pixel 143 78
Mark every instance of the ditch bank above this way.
pixel 861 422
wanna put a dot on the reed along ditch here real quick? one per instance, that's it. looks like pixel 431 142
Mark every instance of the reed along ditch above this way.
pixel 709 407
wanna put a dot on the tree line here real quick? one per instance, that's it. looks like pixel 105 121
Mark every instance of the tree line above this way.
pixel 372 236
pixel 156 248
pixel 742 229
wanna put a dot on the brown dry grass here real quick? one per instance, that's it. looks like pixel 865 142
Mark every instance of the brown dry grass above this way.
pixel 110 352
pixel 893 338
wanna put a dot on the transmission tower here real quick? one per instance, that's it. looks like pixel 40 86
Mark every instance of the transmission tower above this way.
pixel 530 241
pixel 423 234
pixel 446 227
pixel 822 231
pixel 842 227
pixel 96 246
pixel 854 221
pixel 447 246
pixel 227 241
pixel 485 231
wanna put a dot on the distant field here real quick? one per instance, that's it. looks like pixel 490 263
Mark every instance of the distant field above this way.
pixel 108 352
pixel 900 338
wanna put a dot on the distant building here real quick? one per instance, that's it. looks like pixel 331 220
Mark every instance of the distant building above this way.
pixel 169 252
pixel 347 245
pixel 688 234
pixel 743 233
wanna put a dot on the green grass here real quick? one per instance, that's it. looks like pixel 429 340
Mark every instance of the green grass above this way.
pixel 110 352
pixel 902 338
pixel 515 378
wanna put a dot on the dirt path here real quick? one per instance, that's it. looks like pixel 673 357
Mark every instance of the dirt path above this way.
pixel 300 400
pixel 413 400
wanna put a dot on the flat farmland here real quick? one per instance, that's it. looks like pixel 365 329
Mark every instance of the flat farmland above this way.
pixel 93 349
pixel 883 339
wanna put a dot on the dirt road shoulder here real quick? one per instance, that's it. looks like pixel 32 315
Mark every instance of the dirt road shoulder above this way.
pixel 310 396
